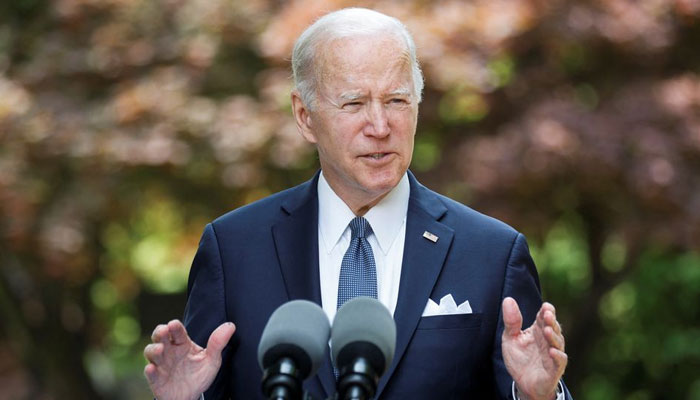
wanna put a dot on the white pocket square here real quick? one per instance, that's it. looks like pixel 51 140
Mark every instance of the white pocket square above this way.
pixel 447 307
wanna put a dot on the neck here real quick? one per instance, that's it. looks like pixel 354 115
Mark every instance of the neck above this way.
pixel 358 204
pixel 360 209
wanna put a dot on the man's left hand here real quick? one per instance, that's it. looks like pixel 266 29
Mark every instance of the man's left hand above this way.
pixel 534 357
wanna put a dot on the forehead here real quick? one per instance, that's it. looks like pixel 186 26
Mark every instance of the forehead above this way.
pixel 382 62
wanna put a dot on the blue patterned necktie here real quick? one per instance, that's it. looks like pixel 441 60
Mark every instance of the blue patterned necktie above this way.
pixel 358 272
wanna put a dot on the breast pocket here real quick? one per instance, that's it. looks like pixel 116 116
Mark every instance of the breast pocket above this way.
pixel 440 357
pixel 454 321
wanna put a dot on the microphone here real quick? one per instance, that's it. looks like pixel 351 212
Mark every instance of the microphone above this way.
pixel 363 340
pixel 291 348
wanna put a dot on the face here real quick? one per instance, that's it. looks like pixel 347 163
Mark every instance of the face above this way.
pixel 364 120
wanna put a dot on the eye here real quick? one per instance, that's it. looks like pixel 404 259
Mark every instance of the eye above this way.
pixel 352 105
pixel 398 100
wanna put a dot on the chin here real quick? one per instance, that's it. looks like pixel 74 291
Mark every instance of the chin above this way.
pixel 380 185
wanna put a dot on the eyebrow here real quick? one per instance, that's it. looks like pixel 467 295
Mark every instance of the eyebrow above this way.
pixel 401 92
pixel 351 96
pixel 356 95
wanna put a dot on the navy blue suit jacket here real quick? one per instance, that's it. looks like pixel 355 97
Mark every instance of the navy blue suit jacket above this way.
pixel 255 258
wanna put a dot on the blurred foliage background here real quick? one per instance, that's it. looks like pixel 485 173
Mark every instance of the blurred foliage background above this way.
pixel 126 125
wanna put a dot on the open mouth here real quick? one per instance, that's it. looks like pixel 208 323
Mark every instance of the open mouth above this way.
pixel 378 159
pixel 377 155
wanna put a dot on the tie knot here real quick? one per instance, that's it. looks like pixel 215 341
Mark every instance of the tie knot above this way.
pixel 360 227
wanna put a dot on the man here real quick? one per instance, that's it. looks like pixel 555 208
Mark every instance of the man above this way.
pixel 358 85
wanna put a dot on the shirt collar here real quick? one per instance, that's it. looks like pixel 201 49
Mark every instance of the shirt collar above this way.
pixel 386 217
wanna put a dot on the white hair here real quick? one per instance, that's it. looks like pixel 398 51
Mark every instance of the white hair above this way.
pixel 347 22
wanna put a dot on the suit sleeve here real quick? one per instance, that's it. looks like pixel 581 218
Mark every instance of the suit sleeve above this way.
pixel 521 282
pixel 206 305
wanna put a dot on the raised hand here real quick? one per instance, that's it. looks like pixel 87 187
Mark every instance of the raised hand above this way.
pixel 178 368
pixel 534 357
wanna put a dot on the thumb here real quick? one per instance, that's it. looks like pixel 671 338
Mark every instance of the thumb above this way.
pixel 512 319
pixel 220 337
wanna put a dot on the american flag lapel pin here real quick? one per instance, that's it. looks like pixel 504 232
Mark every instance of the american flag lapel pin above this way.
pixel 430 236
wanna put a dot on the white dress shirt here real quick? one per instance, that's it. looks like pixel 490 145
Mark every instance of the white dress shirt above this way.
pixel 388 221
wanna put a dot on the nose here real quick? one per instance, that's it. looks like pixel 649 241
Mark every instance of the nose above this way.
pixel 377 121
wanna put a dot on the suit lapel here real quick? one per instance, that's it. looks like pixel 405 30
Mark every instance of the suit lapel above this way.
pixel 296 242
pixel 422 262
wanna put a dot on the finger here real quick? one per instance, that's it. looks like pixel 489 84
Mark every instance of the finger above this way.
pixel 543 314
pixel 154 353
pixel 220 337
pixel 550 319
pixel 512 319
pixel 560 360
pixel 151 372
pixel 158 333
pixel 178 333
pixel 547 306
pixel 555 340
pixel 539 319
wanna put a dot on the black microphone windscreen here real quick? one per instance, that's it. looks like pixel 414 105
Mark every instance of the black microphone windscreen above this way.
pixel 363 324
pixel 298 329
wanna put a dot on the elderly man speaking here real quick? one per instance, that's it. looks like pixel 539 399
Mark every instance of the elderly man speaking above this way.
pixel 459 284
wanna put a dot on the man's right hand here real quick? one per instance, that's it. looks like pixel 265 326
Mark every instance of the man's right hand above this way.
pixel 178 368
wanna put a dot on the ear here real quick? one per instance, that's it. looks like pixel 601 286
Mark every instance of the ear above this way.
pixel 302 116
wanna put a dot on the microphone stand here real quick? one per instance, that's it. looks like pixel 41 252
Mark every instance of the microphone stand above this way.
pixel 358 381
pixel 282 381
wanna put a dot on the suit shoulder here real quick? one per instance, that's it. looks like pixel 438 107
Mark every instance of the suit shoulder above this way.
pixel 464 217
pixel 264 212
